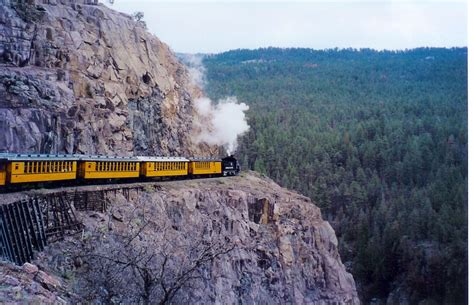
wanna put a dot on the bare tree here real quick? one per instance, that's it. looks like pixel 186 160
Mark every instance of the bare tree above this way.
pixel 151 263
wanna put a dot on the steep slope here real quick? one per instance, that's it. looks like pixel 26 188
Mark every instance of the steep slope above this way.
pixel 274 247
pixel 78 77
pixel 378 139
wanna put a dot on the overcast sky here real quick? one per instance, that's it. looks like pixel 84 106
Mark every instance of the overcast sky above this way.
pixel 216 26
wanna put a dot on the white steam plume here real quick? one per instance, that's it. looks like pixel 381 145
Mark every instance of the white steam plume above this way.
pixel 218 123
pixel 196 69
pixel 226 121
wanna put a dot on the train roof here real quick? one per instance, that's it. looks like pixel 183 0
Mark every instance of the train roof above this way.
pixel 37 157
pixel 205 159
pixel 104 158
pixel 162 159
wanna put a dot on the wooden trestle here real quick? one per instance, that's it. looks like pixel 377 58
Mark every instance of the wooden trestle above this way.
pixel 29 225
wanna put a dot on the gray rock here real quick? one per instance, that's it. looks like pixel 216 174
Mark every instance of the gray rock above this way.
pixel 128 92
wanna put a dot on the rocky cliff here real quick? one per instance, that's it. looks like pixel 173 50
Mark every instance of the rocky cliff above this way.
pixel 78 77
pixel 244 240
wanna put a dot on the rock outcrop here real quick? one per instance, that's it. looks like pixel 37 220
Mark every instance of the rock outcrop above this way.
pixel 78 77
pixel 284 252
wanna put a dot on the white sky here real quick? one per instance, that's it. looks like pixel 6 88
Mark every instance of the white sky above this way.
pixel 216 26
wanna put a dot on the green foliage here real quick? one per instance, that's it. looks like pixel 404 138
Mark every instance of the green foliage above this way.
pixel 379 141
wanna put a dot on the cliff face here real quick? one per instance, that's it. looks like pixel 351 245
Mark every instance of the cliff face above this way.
pixel 267 246
pixel 82 78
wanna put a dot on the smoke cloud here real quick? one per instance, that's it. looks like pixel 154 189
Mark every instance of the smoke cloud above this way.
pixel 196 69
pixel 225 121
pixel 218 123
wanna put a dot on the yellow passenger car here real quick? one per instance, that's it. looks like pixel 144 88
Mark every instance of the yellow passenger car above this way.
pixel 3 170
pixel 99 167
pixel 22 168
pixel 163 166
pixel 202 166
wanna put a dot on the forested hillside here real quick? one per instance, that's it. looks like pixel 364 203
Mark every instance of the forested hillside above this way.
pixel 379 141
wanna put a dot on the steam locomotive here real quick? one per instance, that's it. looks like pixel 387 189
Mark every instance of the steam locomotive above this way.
pixel 17 169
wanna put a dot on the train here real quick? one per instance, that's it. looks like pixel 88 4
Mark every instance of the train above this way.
pixel 27 169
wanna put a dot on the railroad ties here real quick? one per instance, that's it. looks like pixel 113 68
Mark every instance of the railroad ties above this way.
pixel 31 224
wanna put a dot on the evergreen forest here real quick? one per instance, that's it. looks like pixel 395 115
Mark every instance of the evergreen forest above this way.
pixel 378 141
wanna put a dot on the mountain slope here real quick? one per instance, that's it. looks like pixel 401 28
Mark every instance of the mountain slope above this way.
pixel 379 140
pixel 267 245
pixel 81 78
